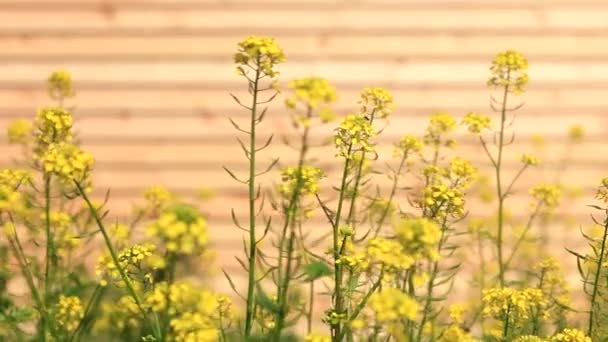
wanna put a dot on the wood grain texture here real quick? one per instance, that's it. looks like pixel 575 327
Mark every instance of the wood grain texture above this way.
pixel 153 78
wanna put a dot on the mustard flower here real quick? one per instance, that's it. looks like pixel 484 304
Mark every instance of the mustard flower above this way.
pixel 52 125
pixel 440 123
pixel 193 326
pixel 406 145
pixel 547 194
pixel 19 132
pixel 454 333
pixel 314 337
pixel 392 304
pixel 576 133
pixel 419 236
pixel 456 312
pixel 354 134
pixel 11 200
pixel 14 178
pixel 602 191
pixel 442 200
pixel 570 335
pixel 312 92
pixel 513 304
pixel 509 69
pixel 182 229
pixel 461 172
pixel 65 239
pixel 259 52
pixel 68 312
pixel 305 178
pixel 119 315
pixel 138 262
pixel 529 338
pixel 376 102
pixel 390 254
pixel 477 122
pixel 69 163
pixel 60 85
pixel 529 160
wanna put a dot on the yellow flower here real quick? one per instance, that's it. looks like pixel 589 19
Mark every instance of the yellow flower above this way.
pixel 570 335
pixel 602 191
pixel 406 145
pixel 455 334
pixel 390 254
pixel 317 338
pixel 354 134
pixel 509 69
pixel 456 313
pixel 68 312
pixel 529 338
pixel 182 229
pixel 261 53
pixel 19 132
pixel 376 102
pixel 312 92
pixel 513 304
pixel 69 163
pixel 391 304
pixel 305 178
pixel 53 125
pixel 576 133
pixel 547 194
pixel 440 123
pixel 60 85
pixel 419 236
pixel 529 160
pixel 477 122
pixel 138 262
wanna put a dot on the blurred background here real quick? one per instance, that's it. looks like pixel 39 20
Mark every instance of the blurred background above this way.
pixel 153 79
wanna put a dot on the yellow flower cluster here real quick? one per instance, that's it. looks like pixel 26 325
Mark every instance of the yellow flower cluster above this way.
pixel 69 312
pixel 14 178
pixel 193 327
pixel 65 240
pixel 11 200
pixel 513 304
pixel 317 338
pixel 529 338
pixel 69 163
pixel 137 261
pixel 570 335
pixel 376 102
pixel 461 172
pixel 455 334
pixel 392 304
pixel 442 200
pixel 182 229
pixel 354 134
pixel 119 315
pixel 419 236
pixel 576 133
pixel 602 191
pixel 60 85
pixel 509 69
pixel 19 132
pixel 259 52
pixel 406 145
pixel 477 122
pixel 389 253
pixel 305 178
pixel 440 124
pixel 311 91
pixel 529 160
pixel 53 125
pixel 547 194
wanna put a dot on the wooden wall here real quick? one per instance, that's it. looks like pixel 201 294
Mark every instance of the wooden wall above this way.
pixel 153 78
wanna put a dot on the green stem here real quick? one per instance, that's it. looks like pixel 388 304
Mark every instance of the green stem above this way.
pixel 600 262
pixel 391 196
pixel 501 197
pixel 362 304
pixel 251 282
pixel 336 328
pixel 93 300
pixel 50 253
pixel 125 278
pixel 311 294
pixel 505 331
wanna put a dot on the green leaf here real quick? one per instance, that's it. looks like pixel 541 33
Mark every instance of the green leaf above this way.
pixel 317 269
